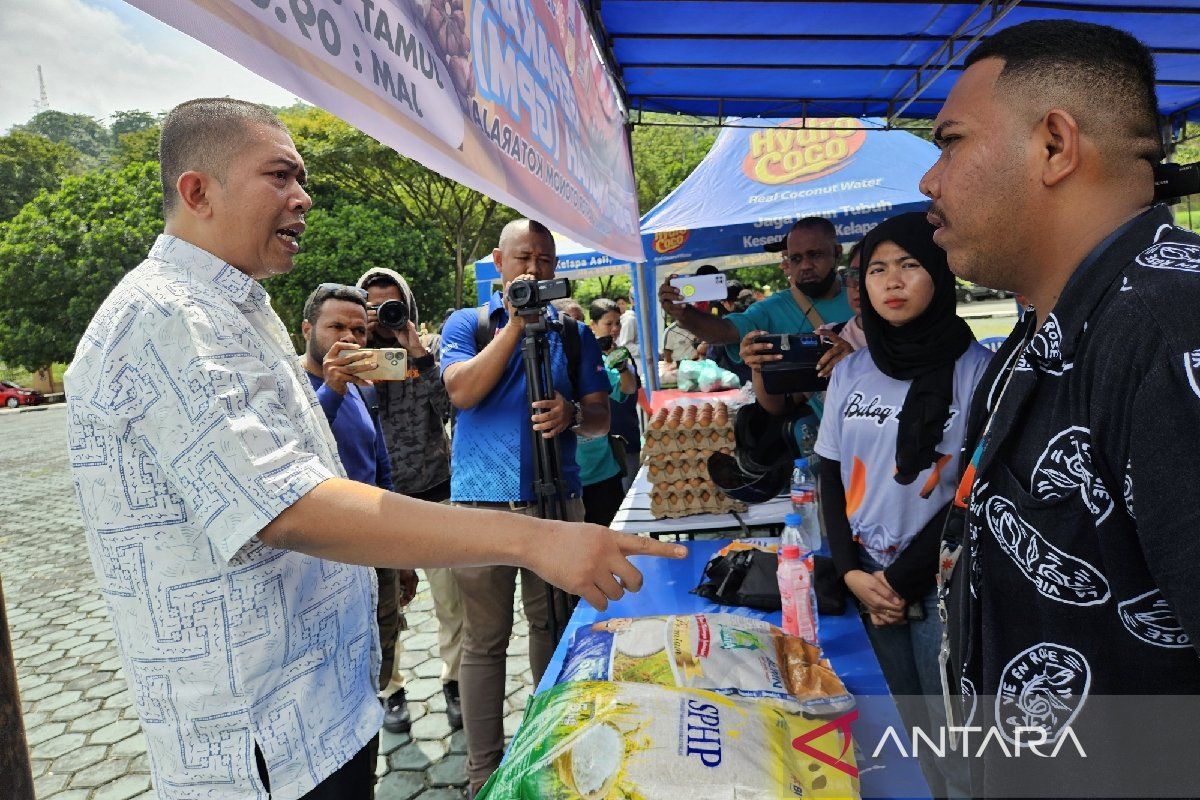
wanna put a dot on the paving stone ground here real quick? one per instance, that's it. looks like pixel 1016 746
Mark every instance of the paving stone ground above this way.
pixel 84 738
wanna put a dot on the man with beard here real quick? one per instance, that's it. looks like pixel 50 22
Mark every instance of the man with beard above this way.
pixel 815 297
pixel 335 328
pixel 1077 579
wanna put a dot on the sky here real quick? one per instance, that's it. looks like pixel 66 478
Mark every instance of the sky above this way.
pixel 102 56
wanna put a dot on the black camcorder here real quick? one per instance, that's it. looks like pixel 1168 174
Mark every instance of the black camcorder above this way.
pixel 531 294
pixel 1174 181
pixel 797 370
pixel 393 314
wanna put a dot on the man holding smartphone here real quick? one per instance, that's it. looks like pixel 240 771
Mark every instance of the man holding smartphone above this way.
pixel 335 329
pixel 815 296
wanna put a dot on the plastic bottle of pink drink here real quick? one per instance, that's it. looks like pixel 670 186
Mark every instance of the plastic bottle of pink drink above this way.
pixel 796 594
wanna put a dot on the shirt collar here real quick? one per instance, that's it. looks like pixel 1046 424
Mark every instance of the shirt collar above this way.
pixel 203 266
pixel 1052 347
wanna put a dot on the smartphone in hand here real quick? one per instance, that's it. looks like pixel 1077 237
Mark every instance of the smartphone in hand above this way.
pixel 391 364
pixel 701 288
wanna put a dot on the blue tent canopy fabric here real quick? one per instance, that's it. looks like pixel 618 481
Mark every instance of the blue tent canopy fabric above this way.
pixel 757 180
pixel 763 58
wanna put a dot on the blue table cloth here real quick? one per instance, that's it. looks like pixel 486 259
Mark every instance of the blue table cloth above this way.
pixel 666 591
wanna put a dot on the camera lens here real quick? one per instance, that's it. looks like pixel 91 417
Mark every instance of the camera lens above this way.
pixel 520 293
pixel 393 314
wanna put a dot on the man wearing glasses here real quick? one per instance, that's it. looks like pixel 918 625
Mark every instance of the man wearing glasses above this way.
pixel 815 297
pixel 492 467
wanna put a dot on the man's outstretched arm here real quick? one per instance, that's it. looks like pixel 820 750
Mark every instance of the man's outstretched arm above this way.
pixel 342 520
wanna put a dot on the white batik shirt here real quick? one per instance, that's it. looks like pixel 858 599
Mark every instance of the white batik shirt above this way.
pixel 192 426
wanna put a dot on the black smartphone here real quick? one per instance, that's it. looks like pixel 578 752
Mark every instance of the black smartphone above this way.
pixel 797 370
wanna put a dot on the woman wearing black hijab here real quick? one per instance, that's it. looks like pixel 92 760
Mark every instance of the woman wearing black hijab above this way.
pixel 895 418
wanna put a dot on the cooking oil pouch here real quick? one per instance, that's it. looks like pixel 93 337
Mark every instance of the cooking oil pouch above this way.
pixel 622 741
pixel 726 653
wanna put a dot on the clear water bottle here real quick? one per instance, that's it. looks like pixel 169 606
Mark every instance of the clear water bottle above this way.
pixel 804 503
pixel 796 594
pixel 792 535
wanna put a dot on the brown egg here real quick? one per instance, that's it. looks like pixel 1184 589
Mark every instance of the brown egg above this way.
pixel 680 484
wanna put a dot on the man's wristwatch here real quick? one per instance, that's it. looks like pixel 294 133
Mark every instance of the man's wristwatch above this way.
pixel 577 420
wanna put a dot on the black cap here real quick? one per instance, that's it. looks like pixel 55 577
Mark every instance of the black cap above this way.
pixel 777 246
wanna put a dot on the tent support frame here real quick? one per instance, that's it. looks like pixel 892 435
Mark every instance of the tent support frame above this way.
pixel 921 79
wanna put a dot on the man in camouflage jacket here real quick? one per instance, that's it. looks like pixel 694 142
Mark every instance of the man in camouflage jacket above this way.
pixel 413 414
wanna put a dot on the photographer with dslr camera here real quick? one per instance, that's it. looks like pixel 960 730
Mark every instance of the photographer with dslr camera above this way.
pixel 493 461
pixel 413 416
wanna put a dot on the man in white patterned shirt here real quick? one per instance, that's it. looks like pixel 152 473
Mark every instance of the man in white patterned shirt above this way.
pixel 220 523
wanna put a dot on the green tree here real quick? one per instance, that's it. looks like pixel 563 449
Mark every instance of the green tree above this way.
pixel 28 164
pixel 80 131
pixel 124 122
pixel 343 242
pixel 346 164
pixel 664 153
pixel 62 255
pixel 136 147
pixel 610 286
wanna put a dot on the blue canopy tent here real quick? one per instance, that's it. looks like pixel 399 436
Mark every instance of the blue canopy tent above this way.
pixel 816 58
pixel 762 175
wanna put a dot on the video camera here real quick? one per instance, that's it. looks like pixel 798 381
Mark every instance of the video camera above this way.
pixel 1173 181
pixel 531 294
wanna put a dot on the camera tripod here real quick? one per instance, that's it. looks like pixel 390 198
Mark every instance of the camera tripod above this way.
pixel 549 488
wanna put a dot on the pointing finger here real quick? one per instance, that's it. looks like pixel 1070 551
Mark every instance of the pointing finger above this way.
pixel 645 546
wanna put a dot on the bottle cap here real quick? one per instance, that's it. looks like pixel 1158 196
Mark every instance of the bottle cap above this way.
pixel 802 463
pixel 793 520
pixel 791 551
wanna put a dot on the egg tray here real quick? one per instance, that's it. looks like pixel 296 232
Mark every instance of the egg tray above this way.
pixel 667 441
pixel 671 503
pixel 666 469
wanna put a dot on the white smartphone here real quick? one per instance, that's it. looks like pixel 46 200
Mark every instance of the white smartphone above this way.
pixel 391 364
pixel 701 288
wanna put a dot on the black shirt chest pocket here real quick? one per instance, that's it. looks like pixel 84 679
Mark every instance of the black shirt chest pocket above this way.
pixel 1048 535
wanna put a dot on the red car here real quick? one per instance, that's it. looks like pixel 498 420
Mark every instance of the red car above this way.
pixel 12 395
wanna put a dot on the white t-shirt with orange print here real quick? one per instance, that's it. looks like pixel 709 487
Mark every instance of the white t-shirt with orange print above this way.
pixel 859 431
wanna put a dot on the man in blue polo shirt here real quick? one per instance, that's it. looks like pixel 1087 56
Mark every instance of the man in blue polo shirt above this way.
pixel 815 297
pixel 492 467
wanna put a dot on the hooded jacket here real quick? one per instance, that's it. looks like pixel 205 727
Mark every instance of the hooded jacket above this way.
pixel 413 414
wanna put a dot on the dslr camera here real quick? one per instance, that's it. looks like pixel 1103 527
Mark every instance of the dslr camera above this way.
pixel 532 294
pixel 393 314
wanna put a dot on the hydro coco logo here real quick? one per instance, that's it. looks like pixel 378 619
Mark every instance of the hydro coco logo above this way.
pixel 786 155
pixel 669 241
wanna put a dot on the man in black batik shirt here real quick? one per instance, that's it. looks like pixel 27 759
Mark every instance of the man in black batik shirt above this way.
pixel 1079 575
